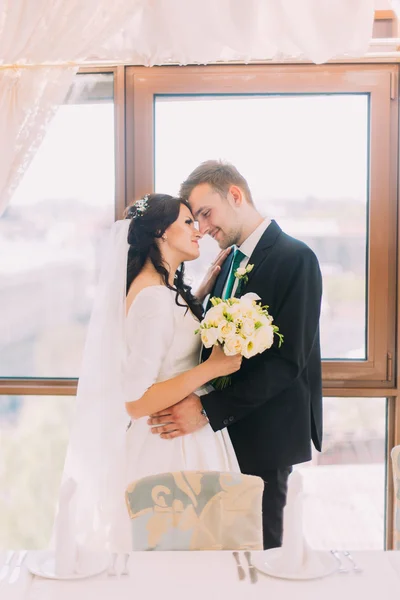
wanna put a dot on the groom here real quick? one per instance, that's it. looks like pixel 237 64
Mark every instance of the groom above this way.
pixel 273 407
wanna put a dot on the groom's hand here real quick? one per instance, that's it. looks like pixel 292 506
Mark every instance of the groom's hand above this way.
pixel 180 419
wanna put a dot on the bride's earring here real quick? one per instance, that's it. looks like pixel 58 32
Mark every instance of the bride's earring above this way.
pixel 164 238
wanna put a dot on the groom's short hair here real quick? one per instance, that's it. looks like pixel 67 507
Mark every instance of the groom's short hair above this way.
pixel 220 175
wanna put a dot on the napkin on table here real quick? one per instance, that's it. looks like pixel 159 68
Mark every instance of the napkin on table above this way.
pixel 296 556
pixel 65 549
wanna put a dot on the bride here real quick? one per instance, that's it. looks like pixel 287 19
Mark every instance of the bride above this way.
pixel 141 356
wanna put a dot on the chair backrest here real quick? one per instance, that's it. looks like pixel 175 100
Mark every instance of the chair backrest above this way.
pixel 196 510
pixel 395 455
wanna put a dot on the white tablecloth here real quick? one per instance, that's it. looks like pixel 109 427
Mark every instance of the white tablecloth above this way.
pixel 209 576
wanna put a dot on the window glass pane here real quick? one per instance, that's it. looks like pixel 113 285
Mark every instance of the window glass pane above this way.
pixel 345 485
pixel 51 233
pixel 306 160
pixel 33 441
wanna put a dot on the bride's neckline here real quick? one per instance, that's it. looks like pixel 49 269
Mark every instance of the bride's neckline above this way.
pixel 156 285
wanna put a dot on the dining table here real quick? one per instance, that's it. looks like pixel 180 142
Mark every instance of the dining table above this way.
pixel 205 575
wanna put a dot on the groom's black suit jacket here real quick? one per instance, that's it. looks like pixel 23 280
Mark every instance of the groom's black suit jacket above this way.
pixel 273 407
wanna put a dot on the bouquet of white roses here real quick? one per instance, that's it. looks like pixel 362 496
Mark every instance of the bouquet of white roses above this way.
pixel 241 326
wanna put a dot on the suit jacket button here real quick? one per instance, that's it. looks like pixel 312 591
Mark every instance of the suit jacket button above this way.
pixel 231 419
pixel 225 421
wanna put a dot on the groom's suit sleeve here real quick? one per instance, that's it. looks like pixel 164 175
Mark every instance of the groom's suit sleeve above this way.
pixel 263 377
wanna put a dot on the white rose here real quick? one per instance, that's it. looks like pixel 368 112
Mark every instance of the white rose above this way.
pixel 265 320
pixel 264 337
pixel 233 345
pixel 214 323
pixel 247 327
pixel 215 314
pixel 209 336
pixel 226 328
pixel 248 314
pixel 240 272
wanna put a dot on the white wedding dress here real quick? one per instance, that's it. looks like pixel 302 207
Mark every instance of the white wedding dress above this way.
pixel 124 355
pixel 162 344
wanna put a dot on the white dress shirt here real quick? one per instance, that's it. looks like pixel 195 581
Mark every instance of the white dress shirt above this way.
pixel 248 247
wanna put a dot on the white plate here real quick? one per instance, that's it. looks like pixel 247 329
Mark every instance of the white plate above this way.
pixel 320 564
pixel 42 563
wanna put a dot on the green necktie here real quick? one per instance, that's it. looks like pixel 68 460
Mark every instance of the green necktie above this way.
pixel 237 259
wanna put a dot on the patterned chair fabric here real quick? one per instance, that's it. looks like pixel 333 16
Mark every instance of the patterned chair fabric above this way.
pixel 196 510
pixel 395 454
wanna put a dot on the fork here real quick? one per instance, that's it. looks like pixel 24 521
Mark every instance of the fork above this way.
pixel 125 570
pixel 252 570
pixel 342 569
pixel 356 568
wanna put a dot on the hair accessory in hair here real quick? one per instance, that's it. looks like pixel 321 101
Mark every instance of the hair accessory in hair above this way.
pixel 139 208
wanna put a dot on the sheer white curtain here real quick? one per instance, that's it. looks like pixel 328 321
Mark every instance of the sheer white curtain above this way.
pixel 56 32
pixel 43 41
pixel 193 31
pixel 28 100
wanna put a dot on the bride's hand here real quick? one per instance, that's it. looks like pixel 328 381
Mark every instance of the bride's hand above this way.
pixel 223 365
pixel 210 277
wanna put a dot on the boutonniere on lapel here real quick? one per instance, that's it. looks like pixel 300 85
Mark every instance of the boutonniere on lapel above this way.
pixel 242 273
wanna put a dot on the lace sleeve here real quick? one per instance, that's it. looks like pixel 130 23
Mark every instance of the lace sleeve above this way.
pixel 150 324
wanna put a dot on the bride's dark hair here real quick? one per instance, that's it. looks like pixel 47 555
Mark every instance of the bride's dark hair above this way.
pixel 150 217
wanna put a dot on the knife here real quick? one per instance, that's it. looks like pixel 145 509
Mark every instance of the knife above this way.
pixel 240 570
pixel 252 570
pixel 17 569
pixel 6 566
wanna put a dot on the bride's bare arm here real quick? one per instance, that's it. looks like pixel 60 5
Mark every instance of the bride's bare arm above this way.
pixel 164 394
pixel 150 330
